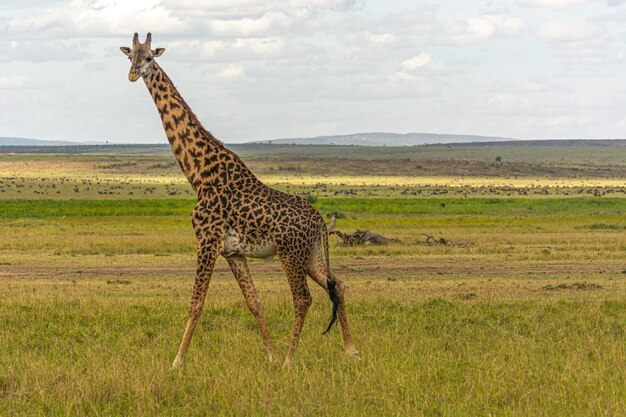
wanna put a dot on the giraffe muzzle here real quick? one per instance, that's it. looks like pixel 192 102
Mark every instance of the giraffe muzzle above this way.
pixel 133 75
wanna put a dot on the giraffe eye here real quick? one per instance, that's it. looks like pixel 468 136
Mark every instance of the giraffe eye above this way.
pixel 149 59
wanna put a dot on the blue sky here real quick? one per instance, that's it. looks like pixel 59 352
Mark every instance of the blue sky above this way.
pixel 255 69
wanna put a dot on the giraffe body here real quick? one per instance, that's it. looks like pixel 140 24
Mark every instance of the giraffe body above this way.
pixel 237 216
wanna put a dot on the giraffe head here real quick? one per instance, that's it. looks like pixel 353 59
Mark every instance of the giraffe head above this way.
pixel 141 57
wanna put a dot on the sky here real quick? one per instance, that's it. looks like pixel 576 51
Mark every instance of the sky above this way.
pixel 260 69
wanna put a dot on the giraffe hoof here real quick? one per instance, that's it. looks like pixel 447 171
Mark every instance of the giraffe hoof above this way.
pixel 176 364
pixel 287 363
pixel 354 354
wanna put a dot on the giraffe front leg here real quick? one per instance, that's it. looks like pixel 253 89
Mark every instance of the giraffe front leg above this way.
pixel 207 254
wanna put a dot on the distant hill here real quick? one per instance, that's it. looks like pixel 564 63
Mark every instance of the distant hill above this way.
pixel 10 141
pixel 21 145
pixel 387 139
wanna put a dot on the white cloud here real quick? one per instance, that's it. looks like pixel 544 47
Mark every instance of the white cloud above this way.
pixel 569 32
pixel 43 50
pixel 551 4
pixel 508 102
pixel 416 62
pixel 482 28
pixel 416 20
pixel 582 42
pixel 532 87
pixel 227 50
pixel 570 120
pixel 13 81
pixel 194 50
pixel 382 38
pixel 268 23
pixel 408 70
pixel 272 45
pixel 250 7
pixel 94 19
pixel 203 18
pixel 232 71
pixel 566 4
pixel 402 76
pixel 483 81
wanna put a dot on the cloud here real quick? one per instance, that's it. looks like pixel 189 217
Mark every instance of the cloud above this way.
pixel 21 4
pixel 43 50
pixel 382 38
pixel 482 28
pixel 402 76
pixel 359 51
pixel 252 7
pixel 569 120
pixel 569 32
pixel 194 50
pixel 508 102
pixel 408 70
pixel 565 4
pixel 13 81
pixel 93 19
pixel 268 23
pixel 419 20
pixel 239 49
pixel 551 4
pixel 202 18
pixel 583 42
pixel 416 62
pixel 397 86
pixel 232 71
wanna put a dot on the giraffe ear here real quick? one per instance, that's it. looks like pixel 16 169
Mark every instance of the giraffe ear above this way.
pixel 158 52
pixel 125 50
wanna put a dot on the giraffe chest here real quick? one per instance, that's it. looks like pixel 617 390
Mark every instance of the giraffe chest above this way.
pixel 238 244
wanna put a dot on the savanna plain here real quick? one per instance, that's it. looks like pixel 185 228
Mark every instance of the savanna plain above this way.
pixel 525 317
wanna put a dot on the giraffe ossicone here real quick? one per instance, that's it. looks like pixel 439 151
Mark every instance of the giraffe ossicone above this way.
pixel 237 216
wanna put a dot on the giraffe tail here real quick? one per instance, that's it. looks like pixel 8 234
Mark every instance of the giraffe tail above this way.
pixel 330 281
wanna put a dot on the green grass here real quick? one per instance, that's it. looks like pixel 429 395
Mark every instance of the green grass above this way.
pixel 109 356
pixel 352 206
pixel 464 206
pixel 60 208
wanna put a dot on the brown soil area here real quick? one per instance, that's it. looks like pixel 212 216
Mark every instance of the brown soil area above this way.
pixel 400 280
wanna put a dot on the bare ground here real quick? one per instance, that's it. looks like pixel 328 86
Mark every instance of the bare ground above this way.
pixel 367 279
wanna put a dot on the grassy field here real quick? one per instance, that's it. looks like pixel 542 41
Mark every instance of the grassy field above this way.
pixel 149 171
pixel 529 320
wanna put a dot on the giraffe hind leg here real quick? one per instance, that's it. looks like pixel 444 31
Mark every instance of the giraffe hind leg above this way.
pixel 317 272
pixel 302 300
pixel 239 267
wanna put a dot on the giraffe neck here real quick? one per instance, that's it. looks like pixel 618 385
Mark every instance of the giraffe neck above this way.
pixel 195 148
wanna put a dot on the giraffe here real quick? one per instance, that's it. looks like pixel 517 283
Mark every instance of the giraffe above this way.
pixel 239 217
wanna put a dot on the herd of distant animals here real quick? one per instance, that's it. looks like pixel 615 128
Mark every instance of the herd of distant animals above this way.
pixel 239 217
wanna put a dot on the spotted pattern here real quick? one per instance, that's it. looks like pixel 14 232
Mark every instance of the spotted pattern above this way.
pixel 237 216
